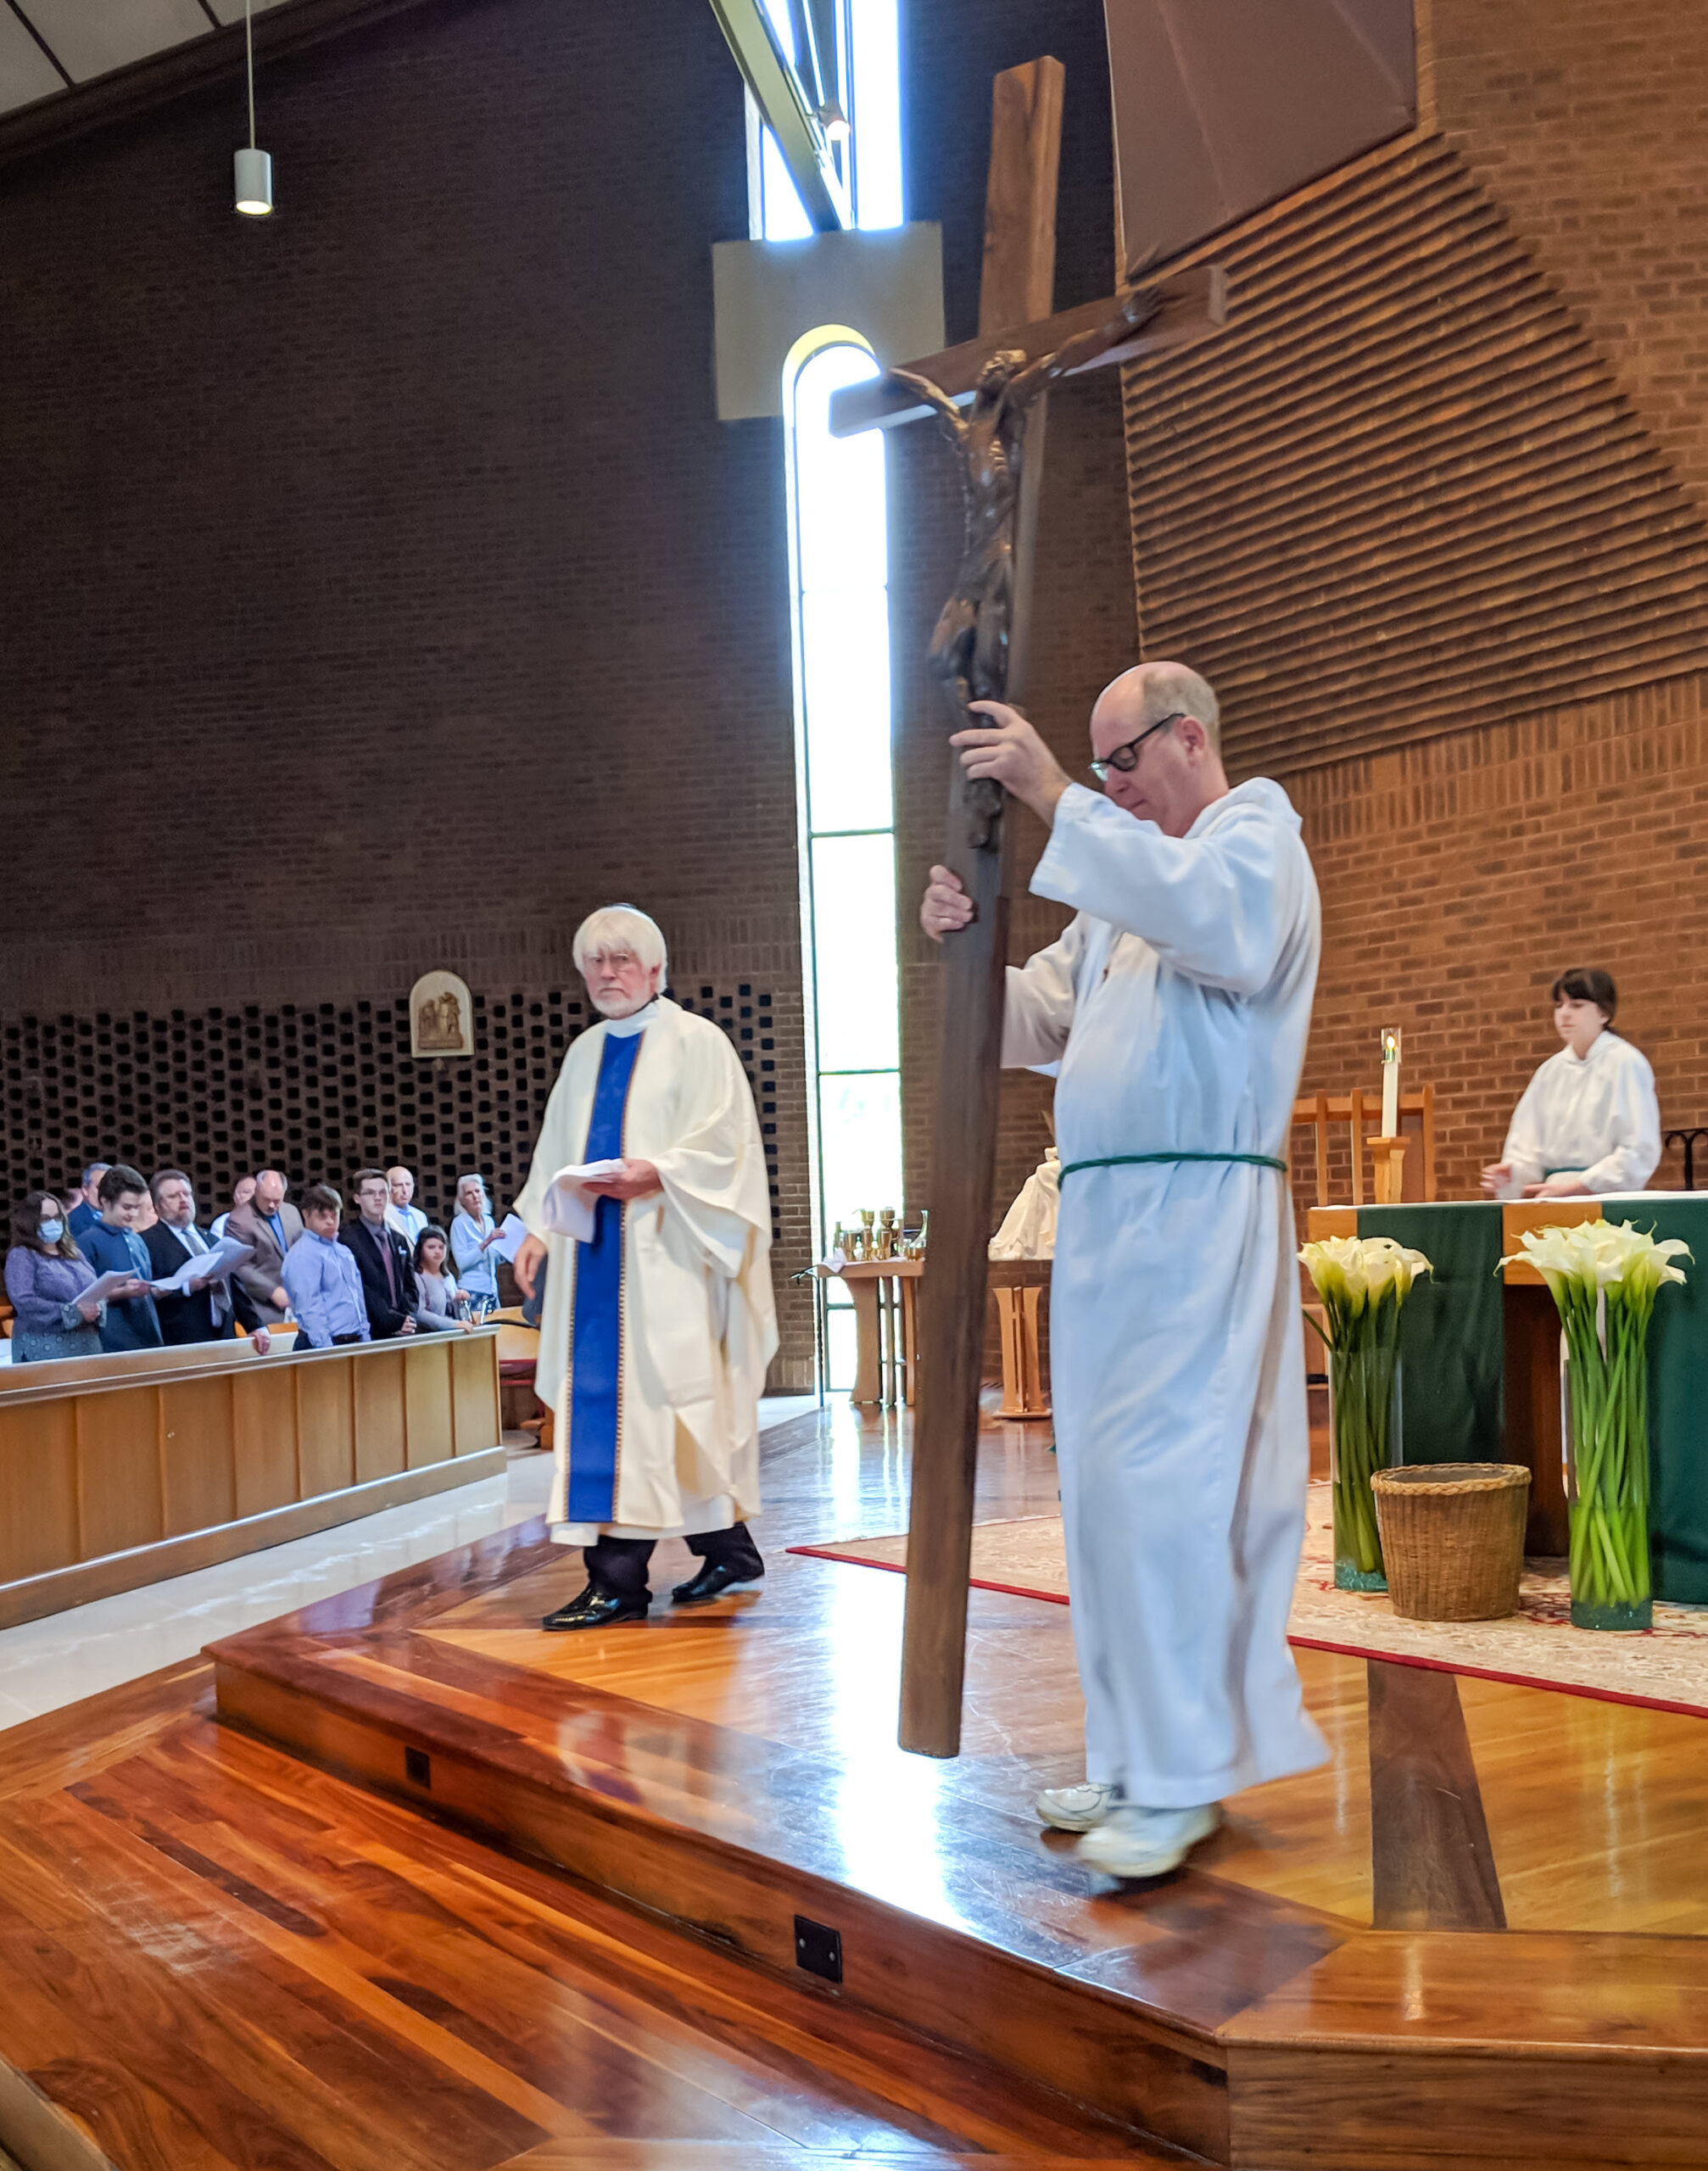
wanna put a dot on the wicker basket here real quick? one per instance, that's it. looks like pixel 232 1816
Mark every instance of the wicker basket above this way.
pixel 1453 1537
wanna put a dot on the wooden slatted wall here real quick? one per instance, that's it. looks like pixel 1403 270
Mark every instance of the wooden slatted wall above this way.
pixel 1404 493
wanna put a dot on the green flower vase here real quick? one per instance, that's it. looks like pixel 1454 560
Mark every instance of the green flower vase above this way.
pixel 1604 1394
pixel 1364 1436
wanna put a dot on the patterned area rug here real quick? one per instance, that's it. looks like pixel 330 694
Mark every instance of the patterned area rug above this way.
pixel 1665 1667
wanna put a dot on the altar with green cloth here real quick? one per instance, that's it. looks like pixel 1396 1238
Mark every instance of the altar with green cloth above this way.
pixel 1480 1356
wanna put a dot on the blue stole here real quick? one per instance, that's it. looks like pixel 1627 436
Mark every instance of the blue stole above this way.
pixel 595 1397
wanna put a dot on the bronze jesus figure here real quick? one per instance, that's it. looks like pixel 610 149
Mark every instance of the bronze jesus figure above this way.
pixel 969 655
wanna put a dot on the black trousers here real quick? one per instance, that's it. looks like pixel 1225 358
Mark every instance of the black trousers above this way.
pixel 616 1566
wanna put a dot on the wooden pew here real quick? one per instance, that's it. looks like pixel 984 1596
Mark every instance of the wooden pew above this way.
pixel 119 1469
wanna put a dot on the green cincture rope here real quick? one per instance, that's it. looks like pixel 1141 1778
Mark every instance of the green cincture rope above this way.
pixel 1134 1160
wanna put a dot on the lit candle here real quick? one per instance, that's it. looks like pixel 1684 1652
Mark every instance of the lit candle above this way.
pixel 1390 1081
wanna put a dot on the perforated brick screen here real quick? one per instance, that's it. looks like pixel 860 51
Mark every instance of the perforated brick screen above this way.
pixel 315 1091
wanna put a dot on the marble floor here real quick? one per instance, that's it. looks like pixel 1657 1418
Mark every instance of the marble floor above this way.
pixel 54 1661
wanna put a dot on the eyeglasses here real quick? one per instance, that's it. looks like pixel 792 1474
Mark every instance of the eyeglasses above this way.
pixel 1126 758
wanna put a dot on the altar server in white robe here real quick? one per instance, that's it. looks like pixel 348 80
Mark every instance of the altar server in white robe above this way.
pixel 656 1333
pixel 1589 1122
pixel 1176 1003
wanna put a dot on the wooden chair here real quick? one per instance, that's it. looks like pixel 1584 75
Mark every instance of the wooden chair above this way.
pixel 1361 1112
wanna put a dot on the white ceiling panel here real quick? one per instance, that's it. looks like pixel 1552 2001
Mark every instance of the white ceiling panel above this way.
pixel 231 11
pixel 26 74
pixel 91 37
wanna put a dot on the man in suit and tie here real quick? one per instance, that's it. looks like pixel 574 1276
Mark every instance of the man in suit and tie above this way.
pixel 382 1258
pixel 273 1226
pixel 203 1313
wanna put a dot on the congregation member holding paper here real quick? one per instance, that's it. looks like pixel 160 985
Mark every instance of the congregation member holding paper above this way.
pixel 649 1197
pixel 112 1246
pixel 475 1241
pixel 191 1273
pixel 1589 1122
pixel 58 1303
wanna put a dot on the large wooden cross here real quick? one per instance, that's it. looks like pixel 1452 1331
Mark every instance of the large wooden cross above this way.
pixel 1015 319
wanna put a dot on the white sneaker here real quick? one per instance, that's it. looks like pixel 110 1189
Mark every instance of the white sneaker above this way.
pixel 1133 1842
pixel 1075 1809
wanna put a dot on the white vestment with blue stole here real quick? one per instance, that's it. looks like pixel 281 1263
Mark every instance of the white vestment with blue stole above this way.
pixel 1177 1003
pixel 655 1337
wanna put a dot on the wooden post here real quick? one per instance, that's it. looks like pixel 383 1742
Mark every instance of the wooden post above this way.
pixel 1018 283
pixel 868 1374
pixel 1026 150
pixel 1387 1160
pixel 1322 1129
pixel 1357 1146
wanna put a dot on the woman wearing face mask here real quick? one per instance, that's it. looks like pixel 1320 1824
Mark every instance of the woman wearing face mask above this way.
pixel 1588 1123
pixel 46 1275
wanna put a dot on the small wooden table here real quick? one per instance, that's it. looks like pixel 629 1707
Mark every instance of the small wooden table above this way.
pixel 1017 1285
pixel 886 1326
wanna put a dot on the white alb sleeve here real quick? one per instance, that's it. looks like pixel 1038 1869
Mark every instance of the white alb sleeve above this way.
pixel 1219 908
pixel 1038 1011
pixel 1633 1151
pixel 1522 1152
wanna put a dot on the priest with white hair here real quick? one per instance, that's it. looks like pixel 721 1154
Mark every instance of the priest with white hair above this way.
pixel 1176 1003
pixel 660 1321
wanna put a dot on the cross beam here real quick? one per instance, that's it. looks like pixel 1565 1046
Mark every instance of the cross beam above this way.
pixel 1182 309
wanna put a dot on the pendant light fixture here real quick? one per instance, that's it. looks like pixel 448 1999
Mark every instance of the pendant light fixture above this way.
pixel 254 169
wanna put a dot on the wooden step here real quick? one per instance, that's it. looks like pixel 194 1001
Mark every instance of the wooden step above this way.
pixel 216 1957
pixel 734 1845
pixel 1203 2011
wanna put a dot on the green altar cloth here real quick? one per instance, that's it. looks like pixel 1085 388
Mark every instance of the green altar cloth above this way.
pixel 1454 1347
pixel 1677 1401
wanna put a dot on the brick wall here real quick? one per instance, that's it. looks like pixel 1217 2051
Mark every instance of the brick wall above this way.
pixel 383 590
pixel 1586 122
pixel 1432 518
pixel 1460 876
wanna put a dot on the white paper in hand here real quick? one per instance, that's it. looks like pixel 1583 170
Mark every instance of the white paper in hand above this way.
pixel 568 1208
pixel 212 1265
pixel 511 1230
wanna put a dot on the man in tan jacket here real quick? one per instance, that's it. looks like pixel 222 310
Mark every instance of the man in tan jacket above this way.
pixel 272 1227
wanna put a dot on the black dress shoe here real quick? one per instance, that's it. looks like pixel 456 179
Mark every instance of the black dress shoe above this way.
pixel 716 1577
pixel 595 1609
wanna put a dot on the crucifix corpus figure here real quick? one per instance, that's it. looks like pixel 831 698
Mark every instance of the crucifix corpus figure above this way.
pixel 969 655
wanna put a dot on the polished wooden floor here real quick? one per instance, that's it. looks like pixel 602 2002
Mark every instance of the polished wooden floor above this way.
pixel 1592 1811
pixel 1475 1938
pixel 212 1956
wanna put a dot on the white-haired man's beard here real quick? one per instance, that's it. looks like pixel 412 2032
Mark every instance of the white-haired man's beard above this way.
pixel 617 1004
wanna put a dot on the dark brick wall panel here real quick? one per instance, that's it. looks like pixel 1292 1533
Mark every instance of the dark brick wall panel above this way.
pixel 382 591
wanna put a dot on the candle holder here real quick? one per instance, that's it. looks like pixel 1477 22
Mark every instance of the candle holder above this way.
pixel 1388 1158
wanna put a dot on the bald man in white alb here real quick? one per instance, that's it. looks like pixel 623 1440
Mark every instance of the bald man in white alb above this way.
pixel 1176 1003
